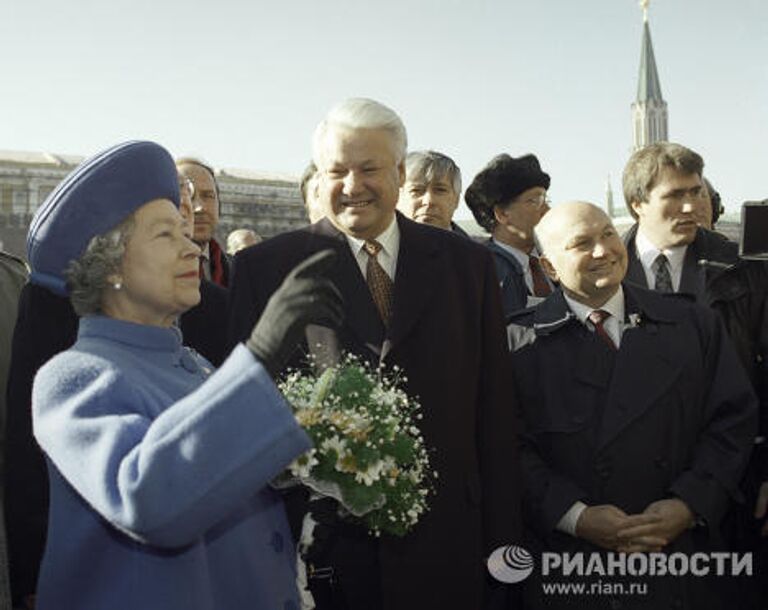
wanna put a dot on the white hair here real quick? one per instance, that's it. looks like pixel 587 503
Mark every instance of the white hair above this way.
pixel 362 113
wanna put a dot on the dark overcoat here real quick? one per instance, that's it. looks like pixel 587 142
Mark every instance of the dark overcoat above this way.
pixel 514 290
pixel 670 414
pixel 738 290
pixel 447 334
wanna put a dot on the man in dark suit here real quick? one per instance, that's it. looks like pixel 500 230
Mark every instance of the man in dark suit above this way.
pixel 665 192
pixel 508 198
pixel 638 416
pixel 425 300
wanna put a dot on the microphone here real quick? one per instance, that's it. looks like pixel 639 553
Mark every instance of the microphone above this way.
pixel 703 262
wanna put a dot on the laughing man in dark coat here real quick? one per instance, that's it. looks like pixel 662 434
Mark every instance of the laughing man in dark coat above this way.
pixel 639 418
pixel 443 327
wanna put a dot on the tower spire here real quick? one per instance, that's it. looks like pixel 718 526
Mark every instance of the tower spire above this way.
pixel 649 110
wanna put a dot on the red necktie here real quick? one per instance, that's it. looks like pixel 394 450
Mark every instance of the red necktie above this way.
pixel 379 282
pixel 598 318
pixel 541 287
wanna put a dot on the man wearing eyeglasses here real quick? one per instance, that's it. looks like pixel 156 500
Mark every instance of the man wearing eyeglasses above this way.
pixel 214 264
pixel 508 198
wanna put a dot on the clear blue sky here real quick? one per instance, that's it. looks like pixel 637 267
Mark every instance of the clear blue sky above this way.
pixel 243 82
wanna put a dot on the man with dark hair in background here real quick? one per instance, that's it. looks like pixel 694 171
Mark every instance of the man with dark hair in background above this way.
pixel 206 202
pixel 670 251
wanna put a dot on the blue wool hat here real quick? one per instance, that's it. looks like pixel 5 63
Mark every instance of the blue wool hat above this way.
pixel 96 197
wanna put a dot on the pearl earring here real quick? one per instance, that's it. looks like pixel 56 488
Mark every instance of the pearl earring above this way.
pixel 117 285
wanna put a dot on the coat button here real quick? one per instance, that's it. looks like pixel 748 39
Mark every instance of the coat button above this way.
pixel 603 468
pixel 276 542
pixel 188 362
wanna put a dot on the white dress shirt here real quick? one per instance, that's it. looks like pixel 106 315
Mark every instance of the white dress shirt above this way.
pixel 647 253
pixel 613 325
pixel 387 257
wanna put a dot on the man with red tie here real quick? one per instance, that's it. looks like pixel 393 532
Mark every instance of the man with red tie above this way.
pixel 425 300
pixel 638 417
pixel 508 199
pixel 214 264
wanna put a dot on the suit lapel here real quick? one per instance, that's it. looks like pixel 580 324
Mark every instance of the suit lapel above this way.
pixel 361 317
pixel 635 271
pixel 634 389
pixel 419 272
pixel 593 361
pixel 692 277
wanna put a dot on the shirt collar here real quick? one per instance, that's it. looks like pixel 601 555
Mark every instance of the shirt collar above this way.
pixel 389 239
pixel 205 251
pixel 522 257
pixel 614 306
pixel 648 252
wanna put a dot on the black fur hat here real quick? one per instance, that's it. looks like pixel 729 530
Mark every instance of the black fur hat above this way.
pixel 503 179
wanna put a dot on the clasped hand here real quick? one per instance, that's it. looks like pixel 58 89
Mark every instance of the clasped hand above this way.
pixel 609 527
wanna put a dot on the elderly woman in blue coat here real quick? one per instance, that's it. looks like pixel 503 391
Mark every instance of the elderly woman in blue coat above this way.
pixel 159 466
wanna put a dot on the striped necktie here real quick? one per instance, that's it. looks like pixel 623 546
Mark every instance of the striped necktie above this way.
pixel 662 277
pixel 541 287
pixel 379 283
pixel 598 318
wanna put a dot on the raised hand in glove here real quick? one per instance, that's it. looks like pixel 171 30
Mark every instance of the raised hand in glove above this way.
pixel 306 296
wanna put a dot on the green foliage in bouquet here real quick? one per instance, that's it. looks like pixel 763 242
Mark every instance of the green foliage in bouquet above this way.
pixel 368 453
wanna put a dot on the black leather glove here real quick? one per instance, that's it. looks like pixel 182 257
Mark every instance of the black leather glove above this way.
pixel 306 296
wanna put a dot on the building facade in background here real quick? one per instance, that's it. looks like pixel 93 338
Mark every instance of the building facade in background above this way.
pixel 267 203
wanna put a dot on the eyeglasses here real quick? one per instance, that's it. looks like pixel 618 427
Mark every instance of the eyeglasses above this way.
pixel 187 184
pixel 537 201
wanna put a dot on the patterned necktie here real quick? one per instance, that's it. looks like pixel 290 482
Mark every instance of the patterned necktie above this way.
pixel 663 280
pixel 379 283
pixel 541 287
pixel 598 318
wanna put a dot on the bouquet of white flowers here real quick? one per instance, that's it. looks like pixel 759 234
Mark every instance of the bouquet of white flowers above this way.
pixel 368 453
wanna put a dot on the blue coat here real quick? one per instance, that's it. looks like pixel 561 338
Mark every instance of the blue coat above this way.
pixel 514 290
pixel 158 473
